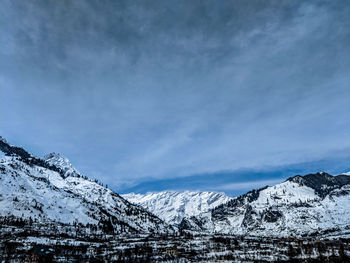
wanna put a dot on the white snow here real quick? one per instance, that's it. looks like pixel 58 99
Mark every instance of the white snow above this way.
pixel 301 209
pixel 172 206
pixel 37 192
pixel 2 154
pixel 61 162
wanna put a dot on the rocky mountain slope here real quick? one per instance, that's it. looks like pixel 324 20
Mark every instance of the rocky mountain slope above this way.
pixel 173 206
pixel 52 190
pixel 55 159
pixel 302 205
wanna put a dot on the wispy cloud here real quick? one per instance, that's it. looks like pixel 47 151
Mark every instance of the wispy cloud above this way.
pixel 248 185
pixel 136 90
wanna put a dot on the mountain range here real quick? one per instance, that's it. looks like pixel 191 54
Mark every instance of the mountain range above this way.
pixel 50 190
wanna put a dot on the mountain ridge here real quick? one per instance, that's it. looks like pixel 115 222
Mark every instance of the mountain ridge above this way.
pixel 33 188
pixel 51 189
pixel 301 205
pixel 172 206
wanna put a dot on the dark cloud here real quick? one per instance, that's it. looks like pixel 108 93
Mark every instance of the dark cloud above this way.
pixel 130 90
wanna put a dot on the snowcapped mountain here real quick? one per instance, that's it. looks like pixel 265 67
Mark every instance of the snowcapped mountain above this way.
pixel 172 206
pixel 52 190
pixel 302 205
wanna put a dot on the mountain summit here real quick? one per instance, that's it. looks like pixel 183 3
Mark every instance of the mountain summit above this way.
pixel 62 163
pixel 322 182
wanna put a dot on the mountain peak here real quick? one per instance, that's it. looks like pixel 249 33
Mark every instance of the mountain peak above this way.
pixel 62 163
pixel 321 177
pixel 2 139
pixel 321 182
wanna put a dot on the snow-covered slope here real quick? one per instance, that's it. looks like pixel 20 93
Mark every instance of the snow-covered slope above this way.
pixel 173 206
pixel 302 205
pixel 46 190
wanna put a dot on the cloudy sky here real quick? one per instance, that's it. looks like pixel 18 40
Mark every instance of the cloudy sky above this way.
pixel 147 92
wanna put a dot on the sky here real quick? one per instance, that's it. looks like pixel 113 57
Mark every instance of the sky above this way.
pixel 155 95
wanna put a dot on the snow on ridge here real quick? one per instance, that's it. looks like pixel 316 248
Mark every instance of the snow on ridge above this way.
pixel 41 193
pixel 288 208
pixel 173 206
pixel 2 139
pixel 61 162
pixel 35 188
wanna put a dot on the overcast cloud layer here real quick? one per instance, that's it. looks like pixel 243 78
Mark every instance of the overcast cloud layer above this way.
pixel 133 90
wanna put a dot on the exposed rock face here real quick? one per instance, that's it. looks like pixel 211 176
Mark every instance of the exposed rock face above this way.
pixel 62 163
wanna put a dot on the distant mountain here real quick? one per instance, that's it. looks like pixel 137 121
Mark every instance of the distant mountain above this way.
pixel 52 190
pixel 172 206
pixel 302 205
